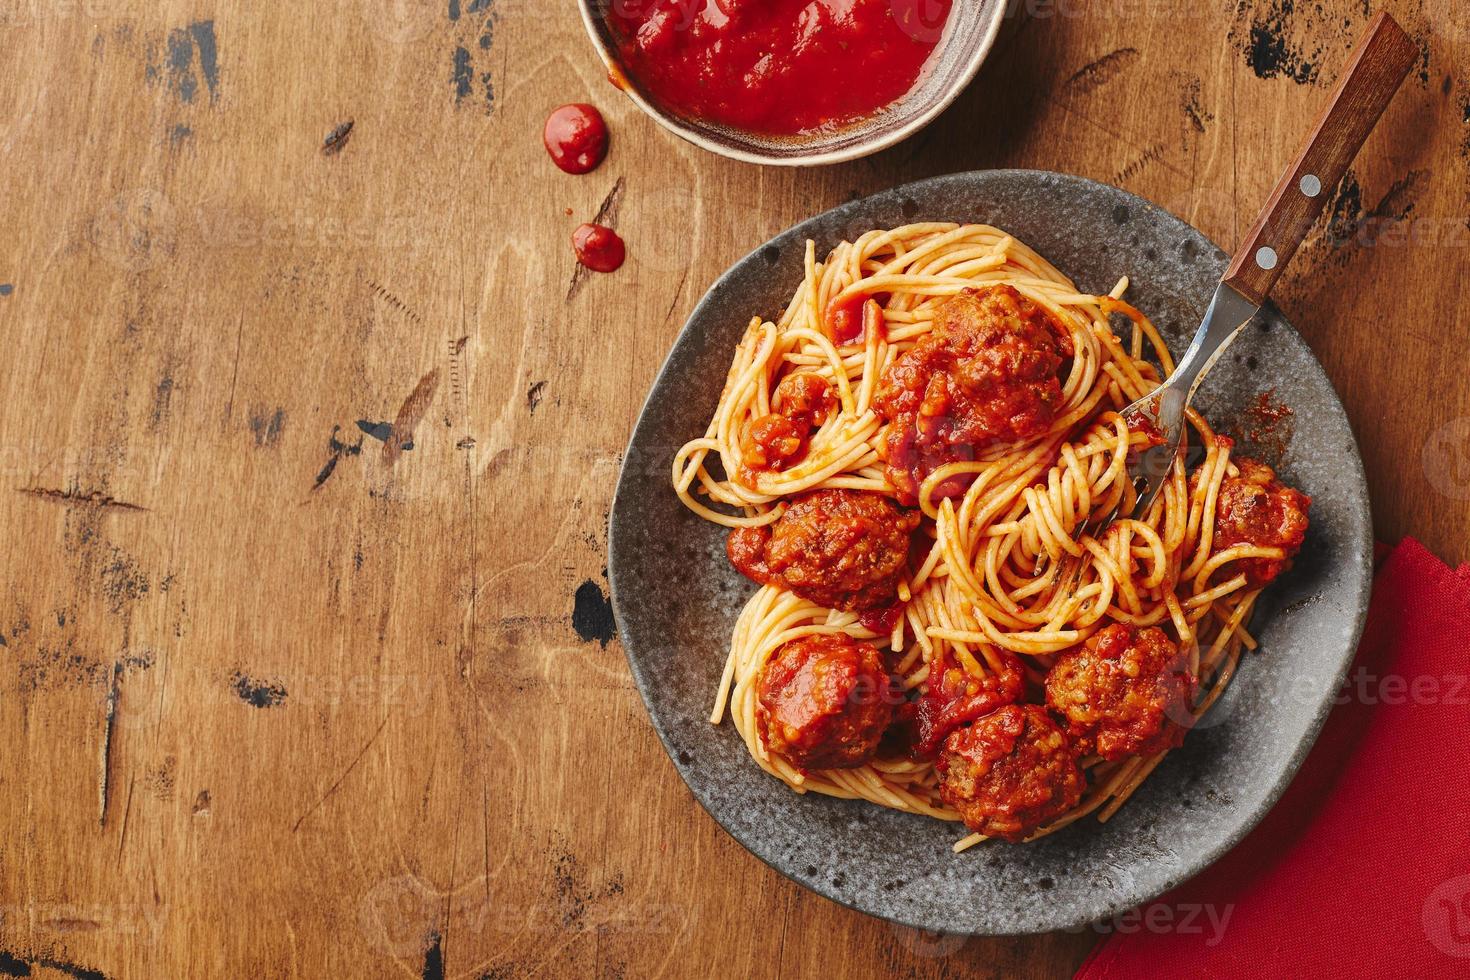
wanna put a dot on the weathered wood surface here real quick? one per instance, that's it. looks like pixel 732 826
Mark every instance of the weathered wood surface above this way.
pixel 281 698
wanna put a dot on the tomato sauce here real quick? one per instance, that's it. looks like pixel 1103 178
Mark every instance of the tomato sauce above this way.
pixel 598 248
pixel 778 67
pixel 576 137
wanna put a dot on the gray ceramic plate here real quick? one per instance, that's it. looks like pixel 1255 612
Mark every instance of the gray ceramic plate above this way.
pixel 676 597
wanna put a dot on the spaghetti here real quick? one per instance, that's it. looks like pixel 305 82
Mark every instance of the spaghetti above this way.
pixel 1003 573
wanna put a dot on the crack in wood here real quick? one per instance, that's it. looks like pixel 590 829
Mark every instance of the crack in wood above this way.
pixel 607 213
pixel 345 773
pixel 94 498
pixel 109 730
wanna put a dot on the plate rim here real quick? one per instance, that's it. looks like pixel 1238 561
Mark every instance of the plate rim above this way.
pixel 1359 552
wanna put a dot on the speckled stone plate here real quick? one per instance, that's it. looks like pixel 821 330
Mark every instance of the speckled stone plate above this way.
pixel 676 597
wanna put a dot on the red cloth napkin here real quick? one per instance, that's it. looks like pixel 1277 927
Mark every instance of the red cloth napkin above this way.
pixel 1363 867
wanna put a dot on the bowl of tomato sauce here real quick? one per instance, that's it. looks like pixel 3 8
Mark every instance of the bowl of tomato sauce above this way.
pixel 793 82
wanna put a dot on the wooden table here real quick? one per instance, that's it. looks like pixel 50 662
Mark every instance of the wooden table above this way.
pixel 306 661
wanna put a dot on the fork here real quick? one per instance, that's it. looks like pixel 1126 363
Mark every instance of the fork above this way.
pixel 1373 73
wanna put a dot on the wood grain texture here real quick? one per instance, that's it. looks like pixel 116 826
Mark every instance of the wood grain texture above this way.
pixel 307 664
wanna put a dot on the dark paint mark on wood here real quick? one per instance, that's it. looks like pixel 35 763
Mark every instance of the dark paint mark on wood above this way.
pixel 163 396
pixel 1098 73
pixel 179 133
pixel 338 449
pixel 607 214
pixel 70 969
pixel 533 395
pixel 414 407
pixel 380 431
pixel 6 289
pixel 204 40
pixel 123 582
pixel 574 896
pixel 267 426
pixel 12 965
pixel 1189 103
pixel 592 614
pixel 434 958
pixel 186 45
pixel 337 139
pixel 1269 44
pixel 1348 220
pixel 1345 210
pixel 257 693
pixel 464 76
pixel 74 496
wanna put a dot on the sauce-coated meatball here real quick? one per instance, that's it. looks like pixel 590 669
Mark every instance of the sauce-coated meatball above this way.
pixel 843 549
pixel 802 402
pixel 1256 508
pixel 824 700
pixel 1010 772
pixel 987 373
pixel 953 697
pixel 1122 692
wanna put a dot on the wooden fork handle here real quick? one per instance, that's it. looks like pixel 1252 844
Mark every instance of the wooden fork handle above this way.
pixel 1383 57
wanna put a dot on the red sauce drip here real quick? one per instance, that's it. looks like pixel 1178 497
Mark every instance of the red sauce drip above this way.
pixel 598 248
pixel 847 318
pixel 1267 425
pixel 881 621
pixel 576 138
pixel 777 66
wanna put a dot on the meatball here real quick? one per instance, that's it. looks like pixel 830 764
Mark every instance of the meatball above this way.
pixel 775 441
pixel 954 697
pixel 1010 772
pixel 805 398
pixel 843 549
pixel 987 373
pixel 823 701
pixel 1258 509
pixel 1122 692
